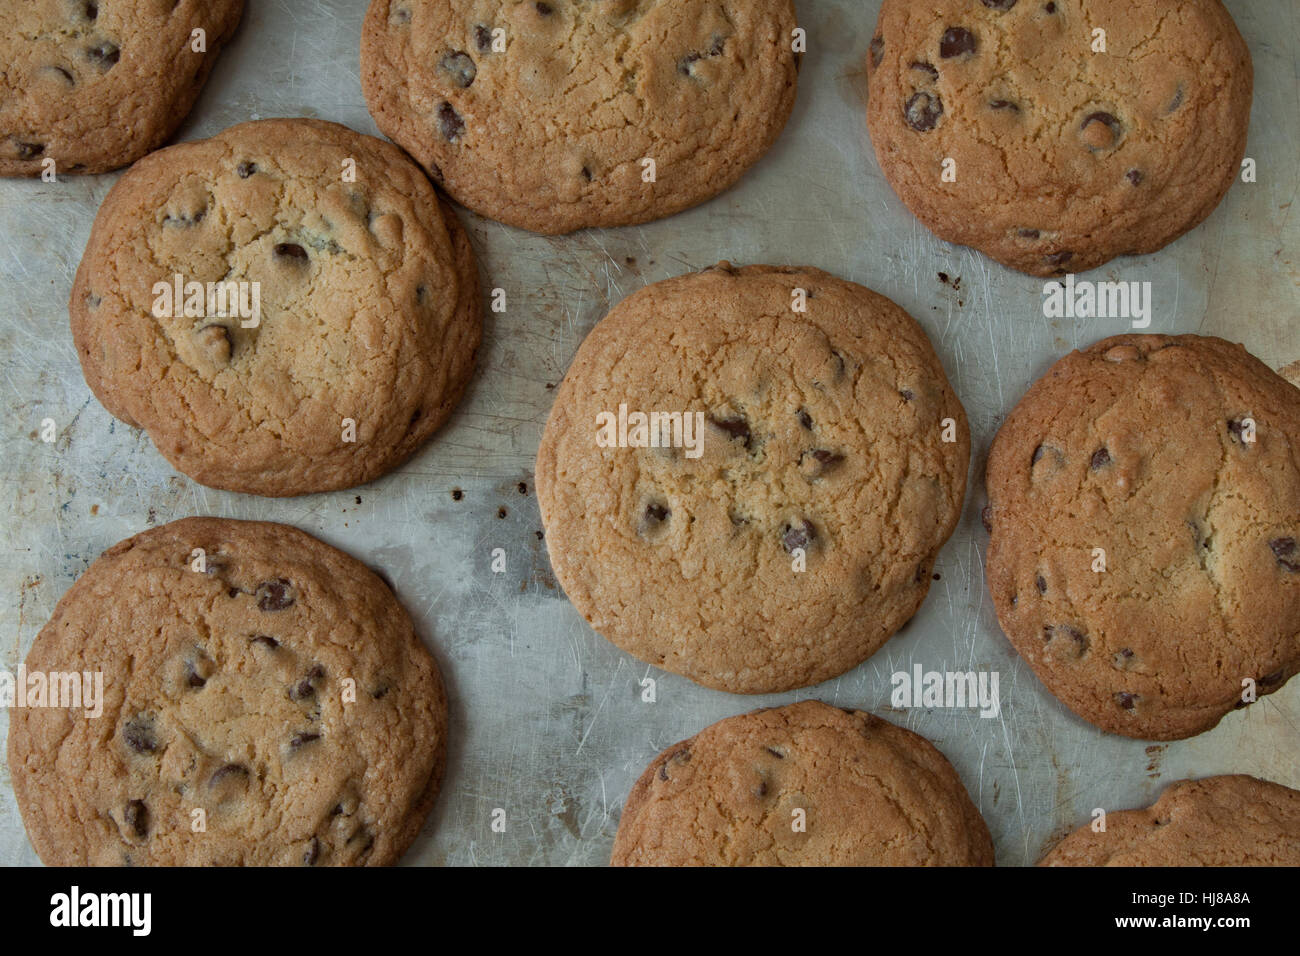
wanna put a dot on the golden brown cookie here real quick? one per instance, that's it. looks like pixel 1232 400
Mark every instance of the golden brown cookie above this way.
pixel 96 84
pixel 1219 821
pixel 799 532
pixel 369 309
pixel 1144 504
pixel 271 706
pixel 1059 156
pixel 803 785
pixel 542 115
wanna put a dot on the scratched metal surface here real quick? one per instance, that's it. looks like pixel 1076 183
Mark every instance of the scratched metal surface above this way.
pixel 547 719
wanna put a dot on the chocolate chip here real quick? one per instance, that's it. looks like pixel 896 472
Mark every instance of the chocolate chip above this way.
pixel 1004 105
pixel 876 51
pixel 226 772
pixel 922 111
pixel 1284 549
pixel 1177 101
pixel 761 790
pixel 460 68
pixel 290 250
pixel 684 64
pixel 986 518
pixel 655 512
pixel 265 640
pixel 1134 176
pixel 1079 641
pixel 186 219
pixel 775 753
pixel 1126 700
pixel 1268 680
pixel 30 150
pixel 245 169
pixel 1050 8
pixel 1100 458
pixel 804 419
pixel 586 173
pixel 1041 583
pixel 379 693
pixel 483 39
pixel 680 755
pixel 298 739
pixel 999 4
pixel 106 54
pixel 1123 659
pixel 798 534
pixel 90 10
pixel 956 41
pixel 192 677
pixel 735 427
pixel 450 123
pixel 307 686
pixel 1058 258
pixel 926 68
pixel 907 394
pixel 545 9
pixel 1028 233
pixel 312 853
pixel 136 816
pixel 1237 428
pixel 274 595
pixel 1036 456
pixel 457 494
pixel 139 735
pixel 819 461
pixel 1100 130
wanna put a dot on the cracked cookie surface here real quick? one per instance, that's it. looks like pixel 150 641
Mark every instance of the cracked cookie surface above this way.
pixel 369 295
pixel 1232 820
pixel 1065 158
pixel 822 443
pixel 539 114
pixel 1141 446
pixel 96 84
pixel 872 794
pixel 226 691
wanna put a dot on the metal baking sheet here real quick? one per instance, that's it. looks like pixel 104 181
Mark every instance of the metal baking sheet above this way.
pixel 548 723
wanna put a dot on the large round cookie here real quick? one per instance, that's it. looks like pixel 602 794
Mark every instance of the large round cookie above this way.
pixel 540 114
pixel 803 533
pixel 1136 455
pixel 1218 821
pixel 95 84
pixel 1064 157
pixel 803 785
pixel 369 307
pixel 281 690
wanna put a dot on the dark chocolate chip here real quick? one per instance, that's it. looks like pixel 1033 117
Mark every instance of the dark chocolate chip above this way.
pixel 986 518
pixel 1126 700
pixel 1284 549
pixel 1036 457
pixel 907 394
pixel 245 169
pixel 30 150
pixel 586 173
pixel 459 67
pixel 106 54
pixel 483 39
pixel 91 10
pixel 1058 258
pixel 926 68
pixel 307 686
pixel 264 639
pixel 956 41
pixel 450 123
pixel 1028 233
pixel 1041 583
pixel 1134 176
pixel 545 9
pixel 1268 680
pixel 291 250
pixel 274 595
pixel 192 677
pixel 876 51
pixel 379 693
pixel 1177 101
pixel 761 790
pixel 136 816
pixel 804 419
pixel 312 853
pixel 1079 640
pixel 139 735
pixel 735 428
pixel 1100 458
pixel 922 111
pixel 999 4
pixel 298 739
pixel 1050 8
pixel 1237 428
pixel 1004 105
pixel 226 772
pixel 798 534
pixel 819 461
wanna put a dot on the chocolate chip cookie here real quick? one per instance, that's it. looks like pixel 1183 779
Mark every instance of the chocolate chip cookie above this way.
pixel 336 319
pixel 803 785
pixel 264 703
pixel 1219 821
pixel 571 113
pixel 1003 125
pixel 784 525
pixel 1144 504
pixel 96 84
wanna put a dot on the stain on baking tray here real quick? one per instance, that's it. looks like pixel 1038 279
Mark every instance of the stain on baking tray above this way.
pixel 1154 753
